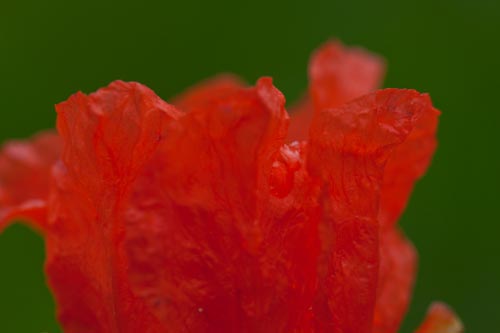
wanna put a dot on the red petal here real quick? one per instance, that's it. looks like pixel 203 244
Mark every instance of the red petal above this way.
pixel 221 235
pixel 24 178
pixel 398 260
pixel 408 163
pixel 348 150
pixel 440 319
pixel 107 138
pixel 337 75
pixel 300 120
pixel 208 92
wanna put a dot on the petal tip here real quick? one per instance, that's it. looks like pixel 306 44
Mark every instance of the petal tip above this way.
pixel 441 318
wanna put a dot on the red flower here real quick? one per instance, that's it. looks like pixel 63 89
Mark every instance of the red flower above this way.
pixel 212 216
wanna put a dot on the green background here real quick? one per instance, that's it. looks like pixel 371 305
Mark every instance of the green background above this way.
pixel 49 50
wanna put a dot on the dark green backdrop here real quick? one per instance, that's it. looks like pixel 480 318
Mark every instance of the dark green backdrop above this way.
pixel 50 49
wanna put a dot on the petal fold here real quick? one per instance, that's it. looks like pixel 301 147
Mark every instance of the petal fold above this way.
pixel 220 214
pixel 221 230
pixel 107 138
pixel 408 163
pixel 348 149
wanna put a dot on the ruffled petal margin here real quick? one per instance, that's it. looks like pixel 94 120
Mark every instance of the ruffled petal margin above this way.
pixel 107 137
pixel 348 149
pixel 408 163
pixel 221 226
pixel 405 166
pixel 162 220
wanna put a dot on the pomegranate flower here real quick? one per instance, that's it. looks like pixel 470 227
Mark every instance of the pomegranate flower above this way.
pixel 219 213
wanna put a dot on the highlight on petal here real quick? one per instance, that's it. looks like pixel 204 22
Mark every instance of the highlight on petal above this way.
pixel 107 138
pixel 24 178
pixel 348 149
pixel 440 319
pixel 221 232
pixel 337 75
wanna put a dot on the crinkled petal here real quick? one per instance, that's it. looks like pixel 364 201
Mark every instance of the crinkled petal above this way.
pixel 107 138
pixel 221 231
pixel 440 319
pixel 348 149
pixel 158 220
pixel 209 91
pixel 337 75
pixel 408 163
pixel 398 261
pixel 25 176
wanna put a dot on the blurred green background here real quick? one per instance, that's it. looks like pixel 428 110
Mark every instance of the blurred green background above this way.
pixel 50 49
